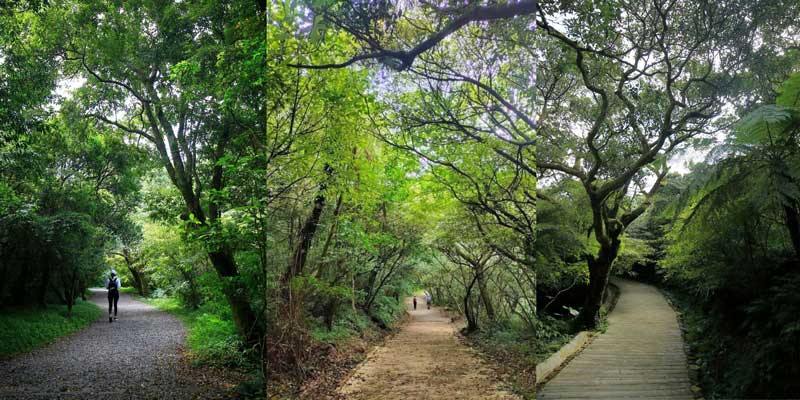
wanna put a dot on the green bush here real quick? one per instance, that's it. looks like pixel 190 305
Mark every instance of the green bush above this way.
pixel 347 324
pixel 214 341
pixel 25 329
pixel 388 310
pixel 211 333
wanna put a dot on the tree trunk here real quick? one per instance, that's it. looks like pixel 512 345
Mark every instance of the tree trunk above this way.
pixel 237 296
pixel 194 293
pixel 306 236
pixel 599 269
pixel 70 295
pixel 139 281
pixel 487 301
pixel 19 291
pixel 469 313
pixel 329 312
pixel 793 225
pixel 82 289
pixel 42 290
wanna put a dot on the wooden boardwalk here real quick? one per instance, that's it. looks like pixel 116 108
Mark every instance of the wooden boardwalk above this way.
pixel 640 356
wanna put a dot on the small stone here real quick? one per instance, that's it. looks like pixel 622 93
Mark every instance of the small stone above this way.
pixel 696 389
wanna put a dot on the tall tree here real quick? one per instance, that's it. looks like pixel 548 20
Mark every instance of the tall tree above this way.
pixel 654 80
pixel 183 78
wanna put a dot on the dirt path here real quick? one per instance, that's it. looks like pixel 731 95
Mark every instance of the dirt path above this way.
pixel 424 360
pixel 639 357
pixel 137 356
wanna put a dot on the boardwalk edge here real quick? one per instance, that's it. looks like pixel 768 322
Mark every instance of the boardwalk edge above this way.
pixel 548 369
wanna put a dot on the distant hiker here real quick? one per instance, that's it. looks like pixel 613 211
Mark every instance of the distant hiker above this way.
pixel 428 299
pixel 113 285
pixel 415 303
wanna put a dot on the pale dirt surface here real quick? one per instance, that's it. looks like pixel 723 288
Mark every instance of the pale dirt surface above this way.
pixel 424 360
pixel 640 356
pixel 139 356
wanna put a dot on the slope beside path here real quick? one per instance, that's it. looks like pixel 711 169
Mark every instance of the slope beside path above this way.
pixel 424 360
pixel 640 356
pixel 138 356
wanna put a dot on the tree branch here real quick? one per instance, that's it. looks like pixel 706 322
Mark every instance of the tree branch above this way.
pixel 406 58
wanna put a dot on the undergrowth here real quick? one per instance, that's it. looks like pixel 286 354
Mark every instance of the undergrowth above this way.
pixel 211 334
pixel 515 351
pixel 24 329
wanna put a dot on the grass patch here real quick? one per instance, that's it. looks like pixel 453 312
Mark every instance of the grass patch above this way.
pixel 211 338
pixel 24 329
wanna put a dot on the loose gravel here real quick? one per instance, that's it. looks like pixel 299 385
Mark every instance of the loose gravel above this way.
pixel 138 356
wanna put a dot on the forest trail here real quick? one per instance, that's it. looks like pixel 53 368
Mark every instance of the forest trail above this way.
pixel 425 360
pixel 640 356
pixel 137 356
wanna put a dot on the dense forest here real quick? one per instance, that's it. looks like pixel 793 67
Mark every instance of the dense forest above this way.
pixel 283 177
pixel 133 138
pixel 547 143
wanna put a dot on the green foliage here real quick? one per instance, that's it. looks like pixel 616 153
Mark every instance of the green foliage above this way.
pixel 214 341
pixel 551 334
pixel 347 325
pixel 730 236
pixel 790 92
pixel 211 335
pixel 42 326
pixel 388 310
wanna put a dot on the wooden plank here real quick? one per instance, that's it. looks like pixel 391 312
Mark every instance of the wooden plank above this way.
pixel 639 357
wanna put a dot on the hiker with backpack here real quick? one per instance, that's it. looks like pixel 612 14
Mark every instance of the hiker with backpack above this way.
pixel 113 285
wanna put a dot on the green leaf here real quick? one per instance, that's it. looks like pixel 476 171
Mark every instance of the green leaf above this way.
pixel 790 92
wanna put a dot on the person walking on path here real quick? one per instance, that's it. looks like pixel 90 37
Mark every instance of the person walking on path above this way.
pixel 428 299
pixel 113 285
pixel 415 303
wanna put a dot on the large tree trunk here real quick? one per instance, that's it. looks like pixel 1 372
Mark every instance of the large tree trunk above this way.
pixel 236 294
pixel 138 280
pixel 599 269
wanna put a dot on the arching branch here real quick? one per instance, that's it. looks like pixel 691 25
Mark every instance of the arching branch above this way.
pixel 403 59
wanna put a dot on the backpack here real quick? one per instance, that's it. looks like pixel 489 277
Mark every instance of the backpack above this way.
pixel 112 284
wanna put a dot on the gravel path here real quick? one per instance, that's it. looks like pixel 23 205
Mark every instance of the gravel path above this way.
pixel 424 360
pixel 139 356
pixel 640 356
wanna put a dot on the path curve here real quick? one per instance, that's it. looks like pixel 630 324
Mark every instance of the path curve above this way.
pixel 640 356
pixel 144 344
pixel 425 360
